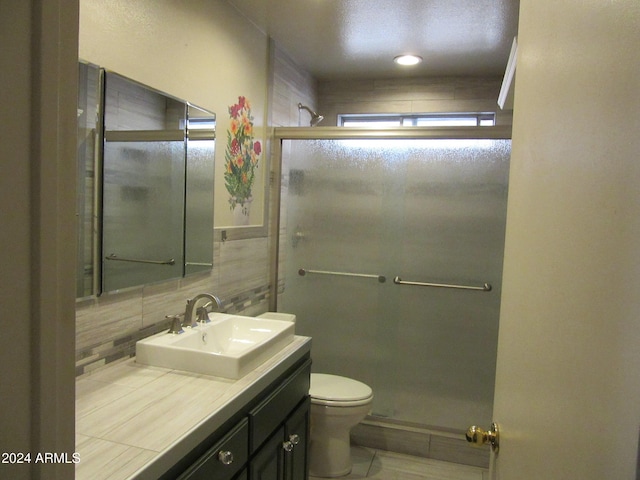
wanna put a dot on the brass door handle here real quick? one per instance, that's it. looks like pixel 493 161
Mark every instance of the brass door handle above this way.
pixel 477 437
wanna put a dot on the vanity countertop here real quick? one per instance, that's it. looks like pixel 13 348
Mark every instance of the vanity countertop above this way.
pixel 136 421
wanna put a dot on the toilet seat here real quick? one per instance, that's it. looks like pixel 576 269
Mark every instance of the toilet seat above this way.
pixel 336 391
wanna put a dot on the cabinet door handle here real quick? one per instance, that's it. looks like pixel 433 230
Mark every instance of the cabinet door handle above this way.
pixel 226 458
pixel 287 446
pixel 291 443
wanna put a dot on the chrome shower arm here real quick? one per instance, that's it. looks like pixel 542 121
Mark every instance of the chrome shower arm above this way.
pixel 315 118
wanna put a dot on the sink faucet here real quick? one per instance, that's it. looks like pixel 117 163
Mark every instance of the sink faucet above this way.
pixel 201 310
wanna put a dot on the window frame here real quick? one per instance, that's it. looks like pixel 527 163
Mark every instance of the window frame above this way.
pixel 481 119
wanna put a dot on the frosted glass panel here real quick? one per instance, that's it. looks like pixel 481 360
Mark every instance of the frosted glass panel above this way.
pixel 143 212
pixel 425 211
pixel 199 206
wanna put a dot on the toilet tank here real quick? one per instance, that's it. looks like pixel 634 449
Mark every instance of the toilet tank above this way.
pixel 288 317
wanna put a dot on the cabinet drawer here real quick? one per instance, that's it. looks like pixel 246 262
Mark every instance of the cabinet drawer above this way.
pixel 270 413
pixel 226 458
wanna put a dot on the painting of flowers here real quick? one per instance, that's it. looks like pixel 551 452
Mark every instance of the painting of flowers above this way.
pixel 242 156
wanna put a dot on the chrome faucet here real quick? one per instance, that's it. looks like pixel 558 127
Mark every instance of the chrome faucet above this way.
pixel 201 311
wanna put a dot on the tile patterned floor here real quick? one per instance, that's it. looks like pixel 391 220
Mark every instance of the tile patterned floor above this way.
pixel 382 465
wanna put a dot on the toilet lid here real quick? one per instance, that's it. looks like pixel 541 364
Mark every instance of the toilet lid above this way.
pixel 335 389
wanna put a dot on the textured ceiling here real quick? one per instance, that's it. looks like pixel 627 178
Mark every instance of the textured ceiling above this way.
pixel 359 38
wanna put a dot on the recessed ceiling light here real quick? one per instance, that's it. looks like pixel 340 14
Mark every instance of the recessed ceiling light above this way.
pixel 407 59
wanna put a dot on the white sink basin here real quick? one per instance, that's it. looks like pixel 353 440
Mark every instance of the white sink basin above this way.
pixel 230 346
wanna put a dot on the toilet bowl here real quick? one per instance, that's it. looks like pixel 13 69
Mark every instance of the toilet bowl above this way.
pixel 337 405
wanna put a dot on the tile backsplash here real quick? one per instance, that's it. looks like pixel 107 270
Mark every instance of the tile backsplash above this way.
pixel 107 327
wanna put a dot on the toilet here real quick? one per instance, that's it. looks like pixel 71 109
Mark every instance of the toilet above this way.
pixel 337 405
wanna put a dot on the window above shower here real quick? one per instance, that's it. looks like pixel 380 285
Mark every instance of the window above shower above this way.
pixel 484 119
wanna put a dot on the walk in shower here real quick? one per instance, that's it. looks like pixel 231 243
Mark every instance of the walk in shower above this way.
pixel 390 254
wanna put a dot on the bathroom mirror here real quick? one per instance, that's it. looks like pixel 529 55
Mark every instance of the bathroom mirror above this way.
pixel 146 163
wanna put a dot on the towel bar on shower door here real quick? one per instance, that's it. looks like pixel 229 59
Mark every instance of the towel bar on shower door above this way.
pixel 381 278
pixel 485 288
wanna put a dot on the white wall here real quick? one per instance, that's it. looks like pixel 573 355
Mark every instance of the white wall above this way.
pixel 37 197
pixel 14 192
pixel 202 50
pixel 568 387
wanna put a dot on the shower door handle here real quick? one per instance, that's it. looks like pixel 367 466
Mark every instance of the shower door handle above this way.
pixel 477 437
pixel 485 288
pixel 303 271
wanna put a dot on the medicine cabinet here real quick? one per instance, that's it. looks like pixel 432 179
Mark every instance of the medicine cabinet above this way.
pixel 145 176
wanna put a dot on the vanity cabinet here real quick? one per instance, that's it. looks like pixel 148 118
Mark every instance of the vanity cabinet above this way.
pixel 284 455
pixel 297 429
pixel 266 440
pixel 225 459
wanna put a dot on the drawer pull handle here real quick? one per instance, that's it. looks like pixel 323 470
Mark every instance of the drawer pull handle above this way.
pixel 226 458
pixel 291 443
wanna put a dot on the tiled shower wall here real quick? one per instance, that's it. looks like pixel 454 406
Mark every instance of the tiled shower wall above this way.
pixel 108 327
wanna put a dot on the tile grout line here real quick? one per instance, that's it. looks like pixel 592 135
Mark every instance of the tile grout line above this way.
pixel 375 452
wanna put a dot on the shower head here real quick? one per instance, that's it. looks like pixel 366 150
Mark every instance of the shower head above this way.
pixel 315 118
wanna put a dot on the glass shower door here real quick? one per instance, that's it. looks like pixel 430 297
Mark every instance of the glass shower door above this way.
pixel 357 214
